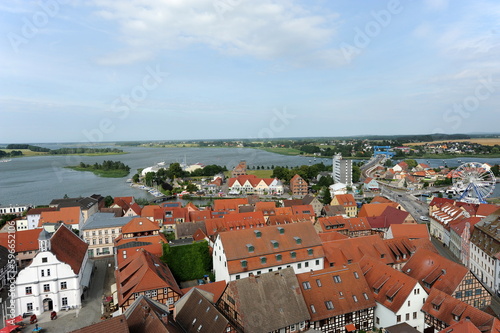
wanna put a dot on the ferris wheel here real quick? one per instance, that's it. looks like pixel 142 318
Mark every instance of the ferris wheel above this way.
pixel 474 181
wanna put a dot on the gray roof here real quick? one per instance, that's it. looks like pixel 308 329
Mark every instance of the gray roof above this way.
pixel 189 228
pixel 401 328
pixel 84 203
pixel 197 312
pixel 44 235
pixel 269 301
pixel 106 220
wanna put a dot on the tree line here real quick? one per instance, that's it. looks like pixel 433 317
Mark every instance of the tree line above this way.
pixel 106 166
pixel 63 151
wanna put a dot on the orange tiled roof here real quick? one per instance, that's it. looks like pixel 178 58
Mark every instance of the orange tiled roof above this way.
pixel 380 199
pixel 141 272
pixel 346 200
pixel 389 283
pixel 303 209
pixel 375 209
pixel 252 244
pixel 331 236
pixel 486 209
pixel 349 294
pixel 411 230
pixel 201 215
pixel 284 219
pixel 435 270
pixel 236 221
pixel 267 207
pixel 153 244
pixel 401 248
pixel 229 204
pixel 445 307
pixel 139 224
pixel 350 250
pixel 215 288
pixel 66 215
pixel 26 240
pixel 284 210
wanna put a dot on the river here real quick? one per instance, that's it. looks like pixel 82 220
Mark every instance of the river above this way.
pixel 37 180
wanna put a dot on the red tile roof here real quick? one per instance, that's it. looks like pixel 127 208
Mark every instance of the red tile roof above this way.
pixel 202 215
pixel 229 204
pixel 26 240
pixel 66 215
pixel 345 200
pixel 380 199
pixel 139 224
pixel 463 326
pixel 236 221
pixel 345 288
pixel 252 244
pixel 112 325
pixel 435 270
pixel 215 288
pixel 284 219
pixel 444 307
pixel 141 272
pixel 267 207
pixel 336 223
pixel 68 248
pixel 346 251
pixel 331 236
pixel 375 209
pixel 411 230
pixel 486 209
pixel 387 283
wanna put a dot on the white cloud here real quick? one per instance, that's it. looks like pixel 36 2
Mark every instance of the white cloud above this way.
pixel 259 28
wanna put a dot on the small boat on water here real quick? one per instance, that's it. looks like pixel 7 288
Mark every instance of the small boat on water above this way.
pixel 5 161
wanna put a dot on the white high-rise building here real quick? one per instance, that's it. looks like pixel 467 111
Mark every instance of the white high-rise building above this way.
pixel 342 170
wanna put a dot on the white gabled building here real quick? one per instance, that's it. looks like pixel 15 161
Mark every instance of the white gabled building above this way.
pixel 57 276
pixel 239 253
pixel 399 297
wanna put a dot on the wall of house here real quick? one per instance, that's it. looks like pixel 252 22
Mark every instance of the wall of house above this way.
pixel 482 266
pixel 37 276
pixel 385 317
pixel 298 267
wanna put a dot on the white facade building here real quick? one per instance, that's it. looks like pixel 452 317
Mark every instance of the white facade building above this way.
pixel 57 275
pixel 342 170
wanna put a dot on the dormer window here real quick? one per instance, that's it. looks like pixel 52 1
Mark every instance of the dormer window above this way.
pixel 250 248
pixel 310 252
pixel 298 240
pixel 275 244
pixel 281 230
pixel 263 260
pixel 293 254
pixel 244 263
pixel 258 234
pixel 278 257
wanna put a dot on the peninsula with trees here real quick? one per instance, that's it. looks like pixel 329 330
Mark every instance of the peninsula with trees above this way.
pixel 110 169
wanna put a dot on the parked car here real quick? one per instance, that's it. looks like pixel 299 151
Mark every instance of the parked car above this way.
pixel 424 218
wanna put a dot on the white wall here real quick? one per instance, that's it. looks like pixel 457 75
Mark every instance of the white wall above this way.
pixel 32 277
pixel 412 304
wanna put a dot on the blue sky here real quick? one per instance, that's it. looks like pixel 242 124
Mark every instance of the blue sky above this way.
pixel 105 70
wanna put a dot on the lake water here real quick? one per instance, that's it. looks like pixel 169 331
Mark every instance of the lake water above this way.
pixel 39 179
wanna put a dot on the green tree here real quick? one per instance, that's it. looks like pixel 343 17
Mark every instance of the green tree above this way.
pixel 191 188
pixel 411 163
pixel 356 173
pixel 135 178
pixel 108 201
pixel 327 197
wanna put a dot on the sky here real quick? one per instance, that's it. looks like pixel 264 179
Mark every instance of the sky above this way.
pixel 104 70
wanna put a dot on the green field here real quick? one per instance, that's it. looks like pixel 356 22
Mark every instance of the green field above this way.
pixel 261 173
pixel 282 151
pixel 102 173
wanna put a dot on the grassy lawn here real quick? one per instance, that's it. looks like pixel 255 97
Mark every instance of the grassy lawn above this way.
pixel 261 173
pixel 481 141
pixel 282 151
pixel 102 173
